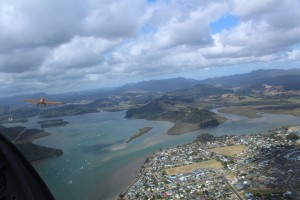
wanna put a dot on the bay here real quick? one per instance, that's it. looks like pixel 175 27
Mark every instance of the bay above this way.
pixel 98 163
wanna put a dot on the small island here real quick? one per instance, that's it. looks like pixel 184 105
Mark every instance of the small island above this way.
pixel 142 131
pixel 52 123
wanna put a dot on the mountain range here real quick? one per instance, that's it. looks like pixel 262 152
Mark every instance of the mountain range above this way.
pixel 288 79
pixel 254 77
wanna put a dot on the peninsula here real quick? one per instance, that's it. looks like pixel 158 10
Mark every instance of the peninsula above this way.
pixel 22 138
pixel 185 119
pixel 141 132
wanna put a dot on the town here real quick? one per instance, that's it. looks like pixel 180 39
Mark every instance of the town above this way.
pixel 252 166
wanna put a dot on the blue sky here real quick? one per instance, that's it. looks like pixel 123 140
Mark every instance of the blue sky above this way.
pixel 61 46
pixel 225 22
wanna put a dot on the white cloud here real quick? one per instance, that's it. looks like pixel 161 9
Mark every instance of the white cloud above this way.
pixel 64 44
pixel 253 8
pixel 80 52
pixel 22 60
pixel 114 18
pixel 33 23
pixel 189 29
pixel 294 54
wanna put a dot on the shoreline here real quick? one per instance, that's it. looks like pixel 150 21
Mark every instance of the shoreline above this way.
pixel 143 168
pixel 216 110
pixel 184 127
pixel 23 139
pixel 187 127
pixel 138 178
pixel 181 128
pixel 194 120
pixel 133 178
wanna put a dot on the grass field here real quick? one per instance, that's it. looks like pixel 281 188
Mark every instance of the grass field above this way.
pixel 229 150
pixel 189 168
pixel 251 111
pixel 181 127
pixel 247 111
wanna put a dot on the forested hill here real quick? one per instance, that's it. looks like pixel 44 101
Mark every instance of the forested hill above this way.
pixel 185 118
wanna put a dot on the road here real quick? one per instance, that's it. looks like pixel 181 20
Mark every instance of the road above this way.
pixel 288 183
pixel 232 188
pixel 19 136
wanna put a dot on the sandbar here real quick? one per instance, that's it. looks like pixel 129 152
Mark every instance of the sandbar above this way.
pixel 141 131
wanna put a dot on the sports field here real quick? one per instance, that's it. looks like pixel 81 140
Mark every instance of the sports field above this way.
pixel 189 168
pixel 229 150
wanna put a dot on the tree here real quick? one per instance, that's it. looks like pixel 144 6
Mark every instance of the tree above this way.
pixel 121 196
pixel 292 136
pixel 206 137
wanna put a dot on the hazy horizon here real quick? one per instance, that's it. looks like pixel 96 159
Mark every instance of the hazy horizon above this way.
pixel 207 75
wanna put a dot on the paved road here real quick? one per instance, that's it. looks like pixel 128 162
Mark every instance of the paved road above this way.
pixel 288 183
pixel 233 189
pixel 19 135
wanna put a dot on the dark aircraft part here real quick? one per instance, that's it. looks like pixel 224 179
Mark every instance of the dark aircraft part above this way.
pixel 18 179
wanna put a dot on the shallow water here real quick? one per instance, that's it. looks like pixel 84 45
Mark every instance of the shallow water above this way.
pixel 98 163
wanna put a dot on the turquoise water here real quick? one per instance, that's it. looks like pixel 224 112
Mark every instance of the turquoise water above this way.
pixel 97 162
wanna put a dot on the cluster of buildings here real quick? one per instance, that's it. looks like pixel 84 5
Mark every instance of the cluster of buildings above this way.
pixel 266 167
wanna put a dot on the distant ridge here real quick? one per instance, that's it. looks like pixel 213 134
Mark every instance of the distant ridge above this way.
pixel 288 78
pixel 200 90
pixel 251 78
pixel 288 82
pixel 161 85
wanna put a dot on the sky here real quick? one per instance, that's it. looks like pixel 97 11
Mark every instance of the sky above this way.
pixel 58 46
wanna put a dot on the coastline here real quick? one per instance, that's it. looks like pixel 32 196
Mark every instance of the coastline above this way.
pixel 113 185
pixel 22 138
pixel 185 120
pixel 137 178
pixel 181 127
pixel 178 128
pixel 142 170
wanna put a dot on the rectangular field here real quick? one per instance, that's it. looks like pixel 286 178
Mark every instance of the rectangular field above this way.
pixel 189 168
pixel 252 111
pixel 229 150
pixel 247 111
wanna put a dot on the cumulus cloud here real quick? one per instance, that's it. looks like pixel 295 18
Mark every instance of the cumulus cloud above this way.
pixel 67 44
pixel 33 23
pixel 80 52
pixel 22 60
pixel 261 32
pixel 114 18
